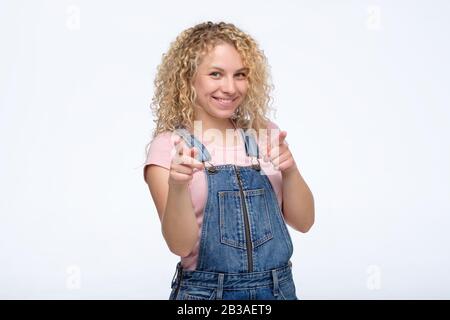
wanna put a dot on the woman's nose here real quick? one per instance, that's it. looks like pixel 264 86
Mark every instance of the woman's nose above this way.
pixel 228 85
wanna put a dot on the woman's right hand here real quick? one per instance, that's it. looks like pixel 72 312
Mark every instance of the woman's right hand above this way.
pixel 183 163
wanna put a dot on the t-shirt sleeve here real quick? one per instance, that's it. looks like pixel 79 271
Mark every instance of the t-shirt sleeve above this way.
pixel 160 151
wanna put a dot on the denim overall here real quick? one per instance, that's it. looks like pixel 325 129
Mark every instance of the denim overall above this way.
pixel 245 245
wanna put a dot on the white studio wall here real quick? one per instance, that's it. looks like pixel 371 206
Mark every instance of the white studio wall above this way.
pixel 361 87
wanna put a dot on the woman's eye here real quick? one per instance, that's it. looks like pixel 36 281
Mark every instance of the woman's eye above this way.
pixel 240 75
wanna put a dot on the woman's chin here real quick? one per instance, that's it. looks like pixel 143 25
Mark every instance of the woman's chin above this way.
pixel 222 113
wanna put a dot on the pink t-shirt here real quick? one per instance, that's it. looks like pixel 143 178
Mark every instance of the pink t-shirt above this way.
pixel 161 152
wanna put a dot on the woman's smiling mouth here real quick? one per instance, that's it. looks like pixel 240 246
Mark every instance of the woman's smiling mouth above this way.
pixel 224 102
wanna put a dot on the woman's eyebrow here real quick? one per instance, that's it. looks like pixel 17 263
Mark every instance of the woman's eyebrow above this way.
pixel 218 68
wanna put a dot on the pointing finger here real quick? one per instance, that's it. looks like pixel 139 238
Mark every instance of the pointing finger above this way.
pixel 279 140
pixel 282 136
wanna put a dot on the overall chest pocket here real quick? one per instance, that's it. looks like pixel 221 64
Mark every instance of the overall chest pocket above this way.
pixel 232 211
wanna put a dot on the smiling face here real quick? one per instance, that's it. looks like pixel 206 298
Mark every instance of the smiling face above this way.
pixel 221 84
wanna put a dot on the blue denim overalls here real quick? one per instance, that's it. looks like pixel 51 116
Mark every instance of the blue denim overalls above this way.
pixel 245 245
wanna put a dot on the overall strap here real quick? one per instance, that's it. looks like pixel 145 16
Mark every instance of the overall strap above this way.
pixel 251 147
pixel 192 141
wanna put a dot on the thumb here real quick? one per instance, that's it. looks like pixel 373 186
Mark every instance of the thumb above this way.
pixel 196 163
pixel 176 140
pixel 282 136
pixel 193 152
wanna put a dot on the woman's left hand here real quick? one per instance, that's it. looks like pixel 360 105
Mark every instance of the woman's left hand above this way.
pixel 279 154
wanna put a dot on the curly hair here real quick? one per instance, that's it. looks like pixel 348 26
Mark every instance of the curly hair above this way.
pixel 174 96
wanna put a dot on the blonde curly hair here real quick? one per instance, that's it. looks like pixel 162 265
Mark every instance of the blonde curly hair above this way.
pixel 174 96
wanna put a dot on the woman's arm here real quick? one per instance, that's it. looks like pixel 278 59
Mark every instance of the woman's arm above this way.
pixel 174 206
pixel 298 201
pixel 170 192
pixel 179 226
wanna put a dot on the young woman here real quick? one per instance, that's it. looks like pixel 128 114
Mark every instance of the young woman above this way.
pixel 222 210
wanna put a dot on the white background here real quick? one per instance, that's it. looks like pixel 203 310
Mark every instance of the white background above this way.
pixel 361 87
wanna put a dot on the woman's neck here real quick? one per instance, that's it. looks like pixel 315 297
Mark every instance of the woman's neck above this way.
pixel 221 132
pixel 205 125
